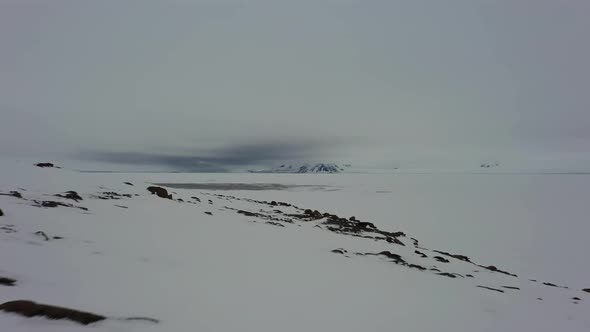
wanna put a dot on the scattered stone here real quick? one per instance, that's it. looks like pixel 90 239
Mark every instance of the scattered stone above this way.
pixel 122 206
pixel 209 213
pixel 416 266
pixel 423 255
pixel 53 204
pixel 1 213
pixel 31 309
pixel 339 251
pixel 587 290
pixel 394 240
pixel 388 254
pixel 459 257
pixel 50 204
pixel 490 288
pixel 112 195
pixel 180 200
pixel 45 165
pixel 441 259
pixel 552 285
pixel 196 199
pixel 495 269
pixel 58 237
pixel 147 319
pixel 43 235
pixel 70 195
pixel 7 281
pixel 446 274
pixel 160 192
pixel 128 183
pixel 13 194
pixel 469 276
pixel 248 213
pixel 275 223
pixel 576 298
pixel 511 287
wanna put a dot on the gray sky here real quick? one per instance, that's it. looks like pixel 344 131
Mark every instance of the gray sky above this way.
pixel 363 81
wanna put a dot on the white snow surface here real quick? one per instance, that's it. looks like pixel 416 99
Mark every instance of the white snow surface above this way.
pixel 228 272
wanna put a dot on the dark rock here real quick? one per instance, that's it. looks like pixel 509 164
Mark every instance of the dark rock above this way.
pixel 495 269
pixel 353 218
pixel 44 165
pixel 248 214
pixel 43 235
pixel 469 276
pixel 7 281
pixel 275 223
pixel 388 254
pixel 273 203
pixel 13 194
pixel 32 309
pixel 415 266
pixel 128 183
pixel 446 274
pixel 553 285
pixel 146 319
pixel 459 257
pixel 587 290
pixel 576 299
pixel 209 213
pixel 160 192
pixel 58 237
pixel 196 199
pixel 441 259
pixel 50 204
pixel 511 287
pixel 70 195
pixel 490 288
pixel 423 255
pixel 1 213
pixel 180 200
pixel 339 251
pixel 394 240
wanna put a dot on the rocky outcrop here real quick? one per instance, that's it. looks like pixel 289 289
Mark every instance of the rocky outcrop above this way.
pixel 32 309
pixel 1 213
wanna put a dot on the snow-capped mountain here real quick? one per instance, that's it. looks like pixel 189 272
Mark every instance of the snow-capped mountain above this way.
pixel 305 168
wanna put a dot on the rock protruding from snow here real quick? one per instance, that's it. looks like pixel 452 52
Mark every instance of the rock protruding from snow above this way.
pixel 161 192
pixel 31 309
pixel 320 168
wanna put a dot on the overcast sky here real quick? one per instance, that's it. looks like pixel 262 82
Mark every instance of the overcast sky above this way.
pixel 363 81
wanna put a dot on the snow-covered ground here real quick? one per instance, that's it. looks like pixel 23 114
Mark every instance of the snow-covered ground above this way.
pixel 169 260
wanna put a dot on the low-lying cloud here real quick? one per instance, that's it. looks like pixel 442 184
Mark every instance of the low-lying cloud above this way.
pixel 222 159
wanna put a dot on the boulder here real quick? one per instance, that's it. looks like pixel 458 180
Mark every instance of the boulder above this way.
pixel 161 192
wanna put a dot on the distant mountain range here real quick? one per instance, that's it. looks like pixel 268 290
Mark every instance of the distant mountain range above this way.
pixel 319 168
